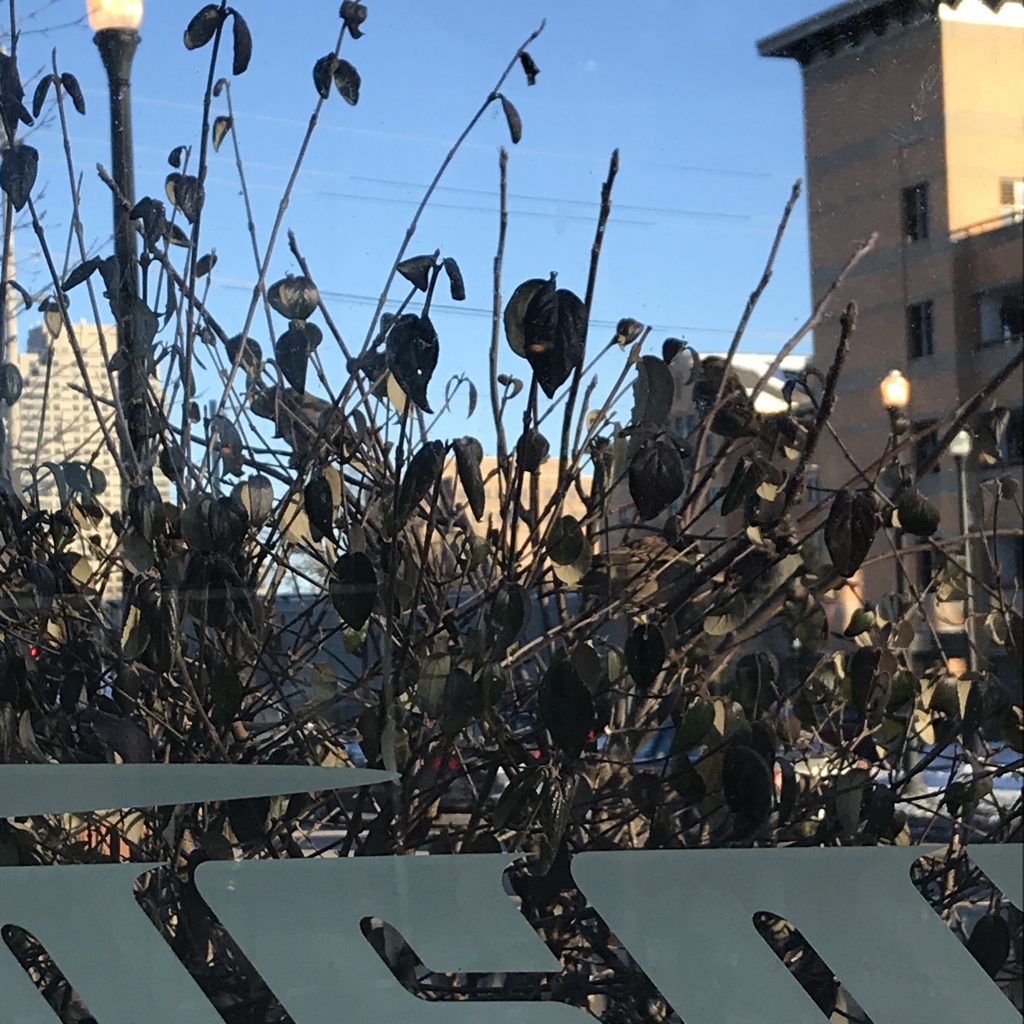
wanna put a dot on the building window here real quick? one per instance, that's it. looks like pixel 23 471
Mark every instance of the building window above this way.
pixel 915 212
pixel 1001 315
pixel 926 446
pixel 920 335
pixel 1011 198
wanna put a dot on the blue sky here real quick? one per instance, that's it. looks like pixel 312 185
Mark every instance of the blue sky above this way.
pixel 710 137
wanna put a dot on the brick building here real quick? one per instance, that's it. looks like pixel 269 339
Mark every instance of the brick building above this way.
pixel 914 122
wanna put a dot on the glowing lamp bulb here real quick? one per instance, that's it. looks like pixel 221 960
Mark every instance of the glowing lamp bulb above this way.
pixel 895 390
pixel 117 14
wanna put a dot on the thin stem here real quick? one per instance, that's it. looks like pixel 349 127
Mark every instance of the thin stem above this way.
pixel 449 156
pixel 817 314
pixel 752 301
pixel 588 305
pixel 499 259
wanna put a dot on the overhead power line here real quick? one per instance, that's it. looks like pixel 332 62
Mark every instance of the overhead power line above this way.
pixel 461 309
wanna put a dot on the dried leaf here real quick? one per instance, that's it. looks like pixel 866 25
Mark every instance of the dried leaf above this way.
pixel 455 283
pixel 203 25
pixel 241 39
pixel 917 515
pixel 532 450
pixel 645 654
pixel 420 477
pixel 566 541
pixel 530 69
pixel 515 314
pixel 353 14
pixel 205 264
pixel 293 349
pixel 515 122
pixel 353 588
pixel 850 530
pixel 319 505
pixel 186 194
pixel 323 74
pixel 653 393
pixel 747 782
pixel 989 943
pixel 553 329
pixel 468 456
pixel 347 82
pixel 507 616
pixel 146 511
pixel 39 96
pixel 74 90
pixel 656 477
pixel 256 496
pixel 412 352
pixel 294 297
pixel 18 173
pixel 221 127
pixel 565 707
pixel 11 383
pixel 416 270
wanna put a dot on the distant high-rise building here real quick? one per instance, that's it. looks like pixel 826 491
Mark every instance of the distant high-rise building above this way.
pixel 914 120
pixel 59 448
pixel 55 421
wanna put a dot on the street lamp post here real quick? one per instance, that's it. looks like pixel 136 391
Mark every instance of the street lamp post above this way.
pixel 960 449
pixel 895 392
pixel 116 24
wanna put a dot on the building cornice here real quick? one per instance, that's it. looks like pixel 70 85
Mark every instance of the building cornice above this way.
pixel 849 24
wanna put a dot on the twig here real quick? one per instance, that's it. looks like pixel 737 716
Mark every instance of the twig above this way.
pixel 499 258
pixel 752 301
pixel 588 303
pixel 817 314
pixel 436 180
pixel 847 325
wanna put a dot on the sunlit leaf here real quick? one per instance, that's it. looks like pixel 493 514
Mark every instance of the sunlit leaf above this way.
pixel 221 127
pixel 186 193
